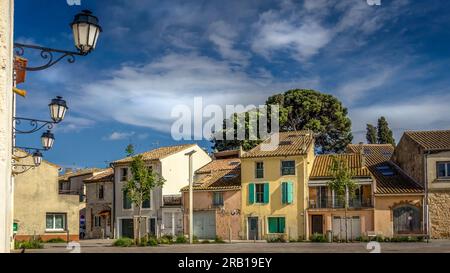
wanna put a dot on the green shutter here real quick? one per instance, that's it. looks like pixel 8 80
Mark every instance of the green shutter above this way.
pixel 266 193
pixel 273 225
pixel 290 192
pixel 251 193
pixel 283 193
pixel 281 223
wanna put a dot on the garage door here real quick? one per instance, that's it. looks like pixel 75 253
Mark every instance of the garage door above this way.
pixel 205 224
pixel 353 227
pixel 127 229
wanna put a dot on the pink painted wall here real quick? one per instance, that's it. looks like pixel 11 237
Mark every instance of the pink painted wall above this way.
pixel 203 200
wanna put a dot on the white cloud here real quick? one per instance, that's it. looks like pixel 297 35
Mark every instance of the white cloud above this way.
pixel 74 124
pixel 144 95
pixel 119 135
pixel 223 36
pixel 419 113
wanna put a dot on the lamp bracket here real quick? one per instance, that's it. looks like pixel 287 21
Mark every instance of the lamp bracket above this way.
pixel 35 125
pixel 46 53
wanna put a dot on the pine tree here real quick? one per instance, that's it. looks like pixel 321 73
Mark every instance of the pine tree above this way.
pixel 385 135
pixel 371 134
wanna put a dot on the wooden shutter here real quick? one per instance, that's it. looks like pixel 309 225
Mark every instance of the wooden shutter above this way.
pixel 266 193
pixel 284 193
pixel 251 193
pixel 289 192
pixel 281 224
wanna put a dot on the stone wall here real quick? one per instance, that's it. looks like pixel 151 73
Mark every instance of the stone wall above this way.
pixel 439 209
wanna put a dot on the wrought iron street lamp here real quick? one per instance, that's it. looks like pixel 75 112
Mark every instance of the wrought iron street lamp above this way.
pixel 86 30
pixel 58 108
pixel 37 158
pixel 47 140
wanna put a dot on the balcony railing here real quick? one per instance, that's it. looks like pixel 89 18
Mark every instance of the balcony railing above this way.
pixel 334 202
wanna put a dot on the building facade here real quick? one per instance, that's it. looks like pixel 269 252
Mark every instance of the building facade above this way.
pixel 216 198
pixel 172 164
pixel 99 205
pixel 275 185
pixel 40 211
pixel 425 156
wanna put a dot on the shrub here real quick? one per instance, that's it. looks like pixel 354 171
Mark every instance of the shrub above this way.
pixel 205 242
pixel 165 240
pixel 318 238
pixel 30 244
pixel 124 242
pixel 56 241
pixel 218 240
pixel 195 239
pixel 276 239
pixel 181 240
pixel 168 237
pixel 152 241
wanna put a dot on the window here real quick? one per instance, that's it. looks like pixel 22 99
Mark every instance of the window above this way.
pixel 55 222
pixel 259 170
pixel 443 170
pixel 101 192
pixel 288 167
pixel 218 198
pixel 123 174
pixel 97 221
pixel 146 204
pixel 126 200
pixel 276 224
pixel 259 193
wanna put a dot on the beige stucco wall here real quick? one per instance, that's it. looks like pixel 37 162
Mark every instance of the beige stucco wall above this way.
pixel 36 193
pixel 175 168
pixel 384 224
pixel 225 222
pixel 6 108
pixel 94 206
pixel 433 182
pixel 294 213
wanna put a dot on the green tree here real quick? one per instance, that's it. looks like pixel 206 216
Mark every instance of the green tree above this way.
pixel 371 134
pixel 342 184
pixel 385 135
pixel 302 109
pixel 139 187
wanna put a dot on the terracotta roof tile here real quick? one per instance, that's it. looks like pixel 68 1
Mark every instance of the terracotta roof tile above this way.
pixel 80 172
pixel 104 176
pixel 377 155
pixel 373 153
pixel 218 180
pixel 322 165
pixel 220 164
pixel 290 144
pixel 431 140
pixel 157 153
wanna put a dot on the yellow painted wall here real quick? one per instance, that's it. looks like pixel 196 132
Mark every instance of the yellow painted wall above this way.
pixel 293 213
pixel 383 212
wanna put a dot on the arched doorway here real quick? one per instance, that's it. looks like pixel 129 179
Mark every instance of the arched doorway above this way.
pixel 406 219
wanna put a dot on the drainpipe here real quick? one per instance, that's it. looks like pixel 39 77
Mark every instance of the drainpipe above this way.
pixel 426 206
pixel 113 220
pixel 191 195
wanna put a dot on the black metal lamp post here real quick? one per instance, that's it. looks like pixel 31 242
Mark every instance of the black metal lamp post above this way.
pixel 86 30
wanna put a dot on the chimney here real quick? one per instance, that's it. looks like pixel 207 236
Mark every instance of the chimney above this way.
pixel 363 156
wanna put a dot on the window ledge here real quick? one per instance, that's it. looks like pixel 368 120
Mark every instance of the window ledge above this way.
pixel 55 231
pixel 442 180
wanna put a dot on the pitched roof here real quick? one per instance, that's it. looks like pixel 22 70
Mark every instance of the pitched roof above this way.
pixel 373 153
pixel 397 182
pixel 157 153
pixel 290 144
pixel 105 176
pixel 219 174
pixel 431 140
pixel 218 180
pixel 322 165
pixel 379 155
pixel 80 172
pixel 220 164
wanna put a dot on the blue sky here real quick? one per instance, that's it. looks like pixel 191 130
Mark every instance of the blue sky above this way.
pixel 389 60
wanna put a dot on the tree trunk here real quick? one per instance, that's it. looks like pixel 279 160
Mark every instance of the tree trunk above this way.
pixel 139 225
pixel 346 223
